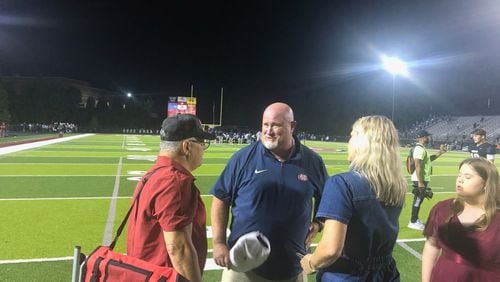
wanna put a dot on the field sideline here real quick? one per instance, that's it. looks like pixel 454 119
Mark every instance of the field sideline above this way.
pixel 76 192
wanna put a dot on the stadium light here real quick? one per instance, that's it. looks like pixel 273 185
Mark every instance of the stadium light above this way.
pixel 394 66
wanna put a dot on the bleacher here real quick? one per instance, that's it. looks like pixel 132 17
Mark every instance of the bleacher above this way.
pixel 458 127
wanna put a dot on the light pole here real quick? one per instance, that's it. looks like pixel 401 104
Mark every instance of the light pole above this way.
pixel 394 66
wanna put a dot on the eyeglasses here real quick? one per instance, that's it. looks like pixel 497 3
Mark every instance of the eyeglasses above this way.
pixel 205 143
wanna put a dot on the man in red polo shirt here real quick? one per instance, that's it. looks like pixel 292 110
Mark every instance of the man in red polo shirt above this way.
pixel 168 226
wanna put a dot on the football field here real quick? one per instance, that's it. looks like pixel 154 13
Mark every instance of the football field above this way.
pixel 76 192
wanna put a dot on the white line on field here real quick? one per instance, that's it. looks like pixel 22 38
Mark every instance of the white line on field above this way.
pixel 80 175
pixel 21 147
pixel 58 199
pixel 55 164
pixel 34 260
pixel 210 265
pixel 410 250
pixel 411 240
pixel 107 198
pixel 55 175
pixel 108 230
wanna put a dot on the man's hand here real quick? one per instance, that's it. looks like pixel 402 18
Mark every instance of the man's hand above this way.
pixel 221 255
pixel 314 228
pixel 442 148
pixel 305 263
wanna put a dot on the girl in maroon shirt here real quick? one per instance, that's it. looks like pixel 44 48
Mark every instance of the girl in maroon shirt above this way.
pixel 463 233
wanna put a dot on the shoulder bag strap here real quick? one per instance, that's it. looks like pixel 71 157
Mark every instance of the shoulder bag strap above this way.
pixel 136 199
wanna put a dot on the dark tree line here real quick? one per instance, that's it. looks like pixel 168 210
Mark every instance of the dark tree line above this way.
pixel 48 101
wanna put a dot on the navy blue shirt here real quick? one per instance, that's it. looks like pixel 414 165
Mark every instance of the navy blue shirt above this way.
pixel 372 227
pixel 482 150
pixel 275 198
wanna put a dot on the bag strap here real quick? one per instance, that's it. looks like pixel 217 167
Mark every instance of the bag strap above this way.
pixel 144 179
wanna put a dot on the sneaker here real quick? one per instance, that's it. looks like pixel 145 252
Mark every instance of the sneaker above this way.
pixel 417 225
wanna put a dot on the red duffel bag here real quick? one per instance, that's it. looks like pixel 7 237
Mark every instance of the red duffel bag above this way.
pixel 104 264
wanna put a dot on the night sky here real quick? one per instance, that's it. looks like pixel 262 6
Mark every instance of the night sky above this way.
pixel 321 57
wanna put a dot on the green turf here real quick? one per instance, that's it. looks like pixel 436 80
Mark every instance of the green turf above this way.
pixel 21 138
pixel 36 271
pixel 72 183
pixel 56 186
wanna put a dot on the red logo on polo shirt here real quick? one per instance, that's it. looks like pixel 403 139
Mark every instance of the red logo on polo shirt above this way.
pixel 302 177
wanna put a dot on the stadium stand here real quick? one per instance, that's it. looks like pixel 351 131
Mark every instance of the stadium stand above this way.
pixel 454 130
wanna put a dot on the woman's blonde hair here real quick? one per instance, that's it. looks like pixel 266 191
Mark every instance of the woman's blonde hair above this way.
pixel 489 173
pixel 379 160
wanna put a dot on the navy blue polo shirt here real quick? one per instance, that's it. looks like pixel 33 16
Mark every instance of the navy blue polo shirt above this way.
pixel 275 198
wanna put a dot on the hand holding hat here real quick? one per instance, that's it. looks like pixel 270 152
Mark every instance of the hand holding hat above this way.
pixel 250 251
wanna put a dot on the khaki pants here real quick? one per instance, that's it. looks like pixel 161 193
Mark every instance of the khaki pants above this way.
pixel 233 276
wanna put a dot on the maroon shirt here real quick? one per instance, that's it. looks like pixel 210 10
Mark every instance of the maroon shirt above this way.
pixel 168 202
pixel 467 255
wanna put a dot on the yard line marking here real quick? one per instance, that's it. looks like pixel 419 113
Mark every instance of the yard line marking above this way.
pixel 410 250
pixel 451 192
pixel 33 260
pixel 59 199
pixel 21 147
pixel 411 240
pixel 56 175
pixel 128 197
pixel 56 164
pixel 108 230
pixel 210 265
pixel 79 175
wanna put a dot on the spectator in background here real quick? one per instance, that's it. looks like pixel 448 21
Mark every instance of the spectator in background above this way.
pixel 361 209
pixel 480 148
pixel 269 186
pixel 168 228
pixel 462 233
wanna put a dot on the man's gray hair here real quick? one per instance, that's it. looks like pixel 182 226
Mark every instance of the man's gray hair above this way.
pixel 170 146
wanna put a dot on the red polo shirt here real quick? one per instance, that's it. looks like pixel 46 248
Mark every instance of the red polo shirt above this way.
pixel 169 201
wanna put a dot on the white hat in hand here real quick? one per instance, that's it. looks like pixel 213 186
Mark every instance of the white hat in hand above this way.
pixel 250 251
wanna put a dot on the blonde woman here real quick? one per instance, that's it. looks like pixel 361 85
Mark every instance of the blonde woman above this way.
pixel 463 234
pixel 361 209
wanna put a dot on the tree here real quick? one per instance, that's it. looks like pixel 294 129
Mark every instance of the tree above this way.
pixel 4 105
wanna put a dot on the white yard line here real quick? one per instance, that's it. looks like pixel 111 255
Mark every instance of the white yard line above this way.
pixel 210 264
pixel 108 230
pixel 62 199
pixel 11 261
pixel 56 175
pixel 21 147
pixel 410 250
pixel 93 164
pixel 107 198
pixel 80 175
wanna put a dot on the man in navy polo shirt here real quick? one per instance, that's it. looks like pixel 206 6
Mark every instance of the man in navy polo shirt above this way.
pixel 269 187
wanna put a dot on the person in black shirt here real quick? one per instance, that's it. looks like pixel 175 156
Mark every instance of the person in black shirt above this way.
pixel 480 148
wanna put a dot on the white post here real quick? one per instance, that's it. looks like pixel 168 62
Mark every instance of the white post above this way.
pixel 76 264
